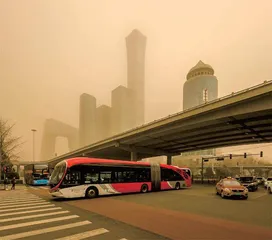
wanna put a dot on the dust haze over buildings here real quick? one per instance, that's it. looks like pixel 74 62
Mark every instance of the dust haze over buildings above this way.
pixel 51 52
pixel 97 123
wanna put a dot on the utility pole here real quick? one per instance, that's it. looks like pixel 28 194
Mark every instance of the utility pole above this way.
pixel 33 130
pixel 202 170
pixel 0 158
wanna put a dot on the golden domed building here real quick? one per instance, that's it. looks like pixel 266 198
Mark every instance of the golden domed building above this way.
pixel 201 86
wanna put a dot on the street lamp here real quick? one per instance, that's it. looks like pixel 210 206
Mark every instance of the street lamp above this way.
pixel 33 131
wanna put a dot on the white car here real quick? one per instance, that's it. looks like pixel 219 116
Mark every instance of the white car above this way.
pixel 269 188
pixel 267 182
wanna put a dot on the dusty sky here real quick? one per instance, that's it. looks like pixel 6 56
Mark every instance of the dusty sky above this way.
pixel 52 51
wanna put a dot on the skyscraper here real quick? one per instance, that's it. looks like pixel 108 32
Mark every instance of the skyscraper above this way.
pixel 136 44
pixel 201 86
pixel 103 120
pixel 122 116
pixel 87 119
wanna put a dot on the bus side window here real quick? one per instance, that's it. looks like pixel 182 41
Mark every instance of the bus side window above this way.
pixel 72 178
pixel 105 177
pixel 92 177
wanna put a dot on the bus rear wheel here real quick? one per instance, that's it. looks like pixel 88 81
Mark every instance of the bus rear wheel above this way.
pixel 91 192
pixel 144 188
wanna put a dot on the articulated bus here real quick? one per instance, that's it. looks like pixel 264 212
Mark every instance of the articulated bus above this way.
pixel 92 177
pixel 36 174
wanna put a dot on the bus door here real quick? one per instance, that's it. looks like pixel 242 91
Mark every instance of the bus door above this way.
pixel 155 176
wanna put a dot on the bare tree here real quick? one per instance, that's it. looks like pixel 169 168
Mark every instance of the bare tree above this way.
pixel 9 145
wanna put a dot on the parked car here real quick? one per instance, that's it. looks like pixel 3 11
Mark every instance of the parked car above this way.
pixel 269 188
pixel 230 187
pixel 260 180
pixel 250 183
pixel 267 182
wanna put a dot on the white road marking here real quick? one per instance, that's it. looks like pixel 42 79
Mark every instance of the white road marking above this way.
pixel 83 235
pixel 44 230
pixel 32 216
pixel 20 200
pixel 26 224
pixel 32 211
pixel 18 197
pixel 47 188
pixel 24 208
pixel 123 239
pixel 264 194
pixel 23 204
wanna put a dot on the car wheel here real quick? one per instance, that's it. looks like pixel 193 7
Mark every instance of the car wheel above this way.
pixel 246 197
pixel 216 192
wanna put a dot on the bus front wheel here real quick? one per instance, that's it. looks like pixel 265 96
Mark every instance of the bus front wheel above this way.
pixel 177 186
pixel 91 192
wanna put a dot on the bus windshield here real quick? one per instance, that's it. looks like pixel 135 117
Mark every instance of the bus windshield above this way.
pixel 57 174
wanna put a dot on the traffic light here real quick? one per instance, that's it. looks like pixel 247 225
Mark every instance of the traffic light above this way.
pixel 261 154
pixel 245 155
pixel 230 156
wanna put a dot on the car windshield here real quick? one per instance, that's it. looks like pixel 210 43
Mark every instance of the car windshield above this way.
pixel 269 179
pixel 246 179
pixel 231 183
pixel 58 172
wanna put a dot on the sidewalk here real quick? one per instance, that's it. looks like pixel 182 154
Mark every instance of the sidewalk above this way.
pixel 17 187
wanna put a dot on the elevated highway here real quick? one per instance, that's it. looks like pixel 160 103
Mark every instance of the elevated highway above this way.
pixel 244 117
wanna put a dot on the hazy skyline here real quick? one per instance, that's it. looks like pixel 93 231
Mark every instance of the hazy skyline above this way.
pixel 51 52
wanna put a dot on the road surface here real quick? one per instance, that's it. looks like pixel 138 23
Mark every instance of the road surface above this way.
pixel 191 214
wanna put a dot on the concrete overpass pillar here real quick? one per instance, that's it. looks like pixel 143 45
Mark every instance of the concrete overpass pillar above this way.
pixel 169 160
pixel 133 156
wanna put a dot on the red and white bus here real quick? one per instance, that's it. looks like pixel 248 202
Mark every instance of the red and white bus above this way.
pixel 92 177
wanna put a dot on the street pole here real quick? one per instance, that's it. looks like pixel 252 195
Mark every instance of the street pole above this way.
pixel 0 159
pixel 202 170
pixel 33 144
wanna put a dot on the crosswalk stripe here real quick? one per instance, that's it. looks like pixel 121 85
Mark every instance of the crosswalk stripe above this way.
pixel 23 208
pixel 26 224
pixel 17 198
pixel 83 235
pixel 23 204
pixel 32 216
pixel 32 211
pixel 44 230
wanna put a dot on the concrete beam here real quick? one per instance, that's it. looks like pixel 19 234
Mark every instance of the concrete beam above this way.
pixel 151 151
